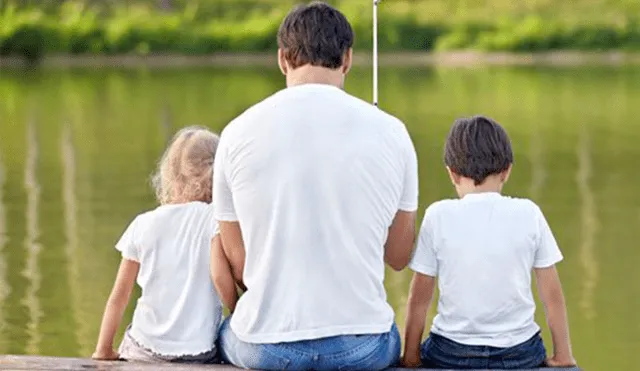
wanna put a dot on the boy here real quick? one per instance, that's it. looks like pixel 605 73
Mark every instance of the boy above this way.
pixel 482 247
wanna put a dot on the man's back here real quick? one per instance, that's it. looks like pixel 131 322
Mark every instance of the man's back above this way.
pixel 317 177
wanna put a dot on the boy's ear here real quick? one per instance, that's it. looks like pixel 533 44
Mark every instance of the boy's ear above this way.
pixel 455 178
pixel 504 176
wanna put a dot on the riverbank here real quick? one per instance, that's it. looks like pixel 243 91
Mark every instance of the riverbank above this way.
pixel 76 28
pixel 395 59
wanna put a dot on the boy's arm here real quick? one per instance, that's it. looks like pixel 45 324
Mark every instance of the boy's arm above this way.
pixel 221 275
pixel 550 291
pixel 425 265
pixel 547 255
pixel 420 296
pixel 116 305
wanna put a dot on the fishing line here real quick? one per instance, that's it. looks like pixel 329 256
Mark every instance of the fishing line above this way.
pixel 375 52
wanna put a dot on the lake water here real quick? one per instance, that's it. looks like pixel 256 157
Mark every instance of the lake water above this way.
pixel 77 146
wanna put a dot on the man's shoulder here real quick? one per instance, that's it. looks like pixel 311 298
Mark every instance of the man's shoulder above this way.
pixel 373 112
pixel 250 115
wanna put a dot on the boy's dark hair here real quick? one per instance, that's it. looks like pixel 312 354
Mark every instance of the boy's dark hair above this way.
pixel 477 147
pixel 315 34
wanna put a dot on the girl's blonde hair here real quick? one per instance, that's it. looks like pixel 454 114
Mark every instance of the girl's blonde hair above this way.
pixel 185 171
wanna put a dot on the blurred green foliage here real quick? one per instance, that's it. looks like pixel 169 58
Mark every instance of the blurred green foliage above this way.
pixel 32 28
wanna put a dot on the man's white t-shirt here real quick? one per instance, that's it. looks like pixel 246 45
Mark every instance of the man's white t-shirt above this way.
pixel 483 248
pixel 179 312
pixel 314 176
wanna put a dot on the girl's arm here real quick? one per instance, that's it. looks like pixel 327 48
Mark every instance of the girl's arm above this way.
pixel 221 275
pixel 117 303
pixel 420 296
pixel 550 291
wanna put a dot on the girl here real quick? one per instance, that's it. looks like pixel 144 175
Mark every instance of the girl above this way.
pixel 167 251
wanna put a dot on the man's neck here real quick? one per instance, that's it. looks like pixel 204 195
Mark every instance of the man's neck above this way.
pixel 315 75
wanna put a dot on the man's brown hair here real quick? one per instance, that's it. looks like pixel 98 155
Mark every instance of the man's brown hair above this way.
pixel 315 34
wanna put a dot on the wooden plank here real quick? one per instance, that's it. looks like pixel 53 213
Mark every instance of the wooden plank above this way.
pixel 11 362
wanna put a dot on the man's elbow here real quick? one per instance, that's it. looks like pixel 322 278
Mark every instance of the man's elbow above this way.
pixel 398 255
pixel 397 264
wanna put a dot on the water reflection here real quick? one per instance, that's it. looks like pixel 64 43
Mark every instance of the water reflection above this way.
pixel 31 271
pixel 4 287
pixel 589 222
pixel 68 159
pixel 536 158
pixel 71 180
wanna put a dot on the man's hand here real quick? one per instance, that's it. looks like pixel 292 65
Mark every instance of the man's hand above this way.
pixel 105 355
pixel 561 361
pixel 411 361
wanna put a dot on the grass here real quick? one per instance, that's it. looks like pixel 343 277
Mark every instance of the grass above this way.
pixel 208 26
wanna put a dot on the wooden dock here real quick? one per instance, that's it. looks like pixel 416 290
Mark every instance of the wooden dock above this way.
pixel 10 362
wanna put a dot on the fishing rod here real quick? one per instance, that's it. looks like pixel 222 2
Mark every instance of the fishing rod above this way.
pixel 375 52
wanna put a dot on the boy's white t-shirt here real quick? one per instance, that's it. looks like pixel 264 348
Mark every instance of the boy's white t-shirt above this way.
pixel 483 248
pixel 315 177
pixel 179 312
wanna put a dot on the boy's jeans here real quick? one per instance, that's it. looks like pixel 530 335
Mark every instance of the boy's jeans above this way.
pixel 348 352
pixel 440 352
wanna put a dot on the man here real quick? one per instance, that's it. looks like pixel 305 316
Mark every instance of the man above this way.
pixel 318 189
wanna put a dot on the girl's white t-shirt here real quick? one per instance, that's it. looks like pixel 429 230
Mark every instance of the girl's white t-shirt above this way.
pixel 179 312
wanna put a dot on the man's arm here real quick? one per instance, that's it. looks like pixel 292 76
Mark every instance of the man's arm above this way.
pixel 233 247
pixel 225 212
pixel 221 275
pixel 402 232
pixel 401 239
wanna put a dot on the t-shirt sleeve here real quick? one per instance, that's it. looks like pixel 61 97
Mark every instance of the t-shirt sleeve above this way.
pixel 547 250
pixel 215 227
pixel 424 259
pixel 409 199
pixel 128 245
pixel 222 195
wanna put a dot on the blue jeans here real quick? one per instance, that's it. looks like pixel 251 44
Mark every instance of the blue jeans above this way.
pixel 347 352
pixel 440 352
